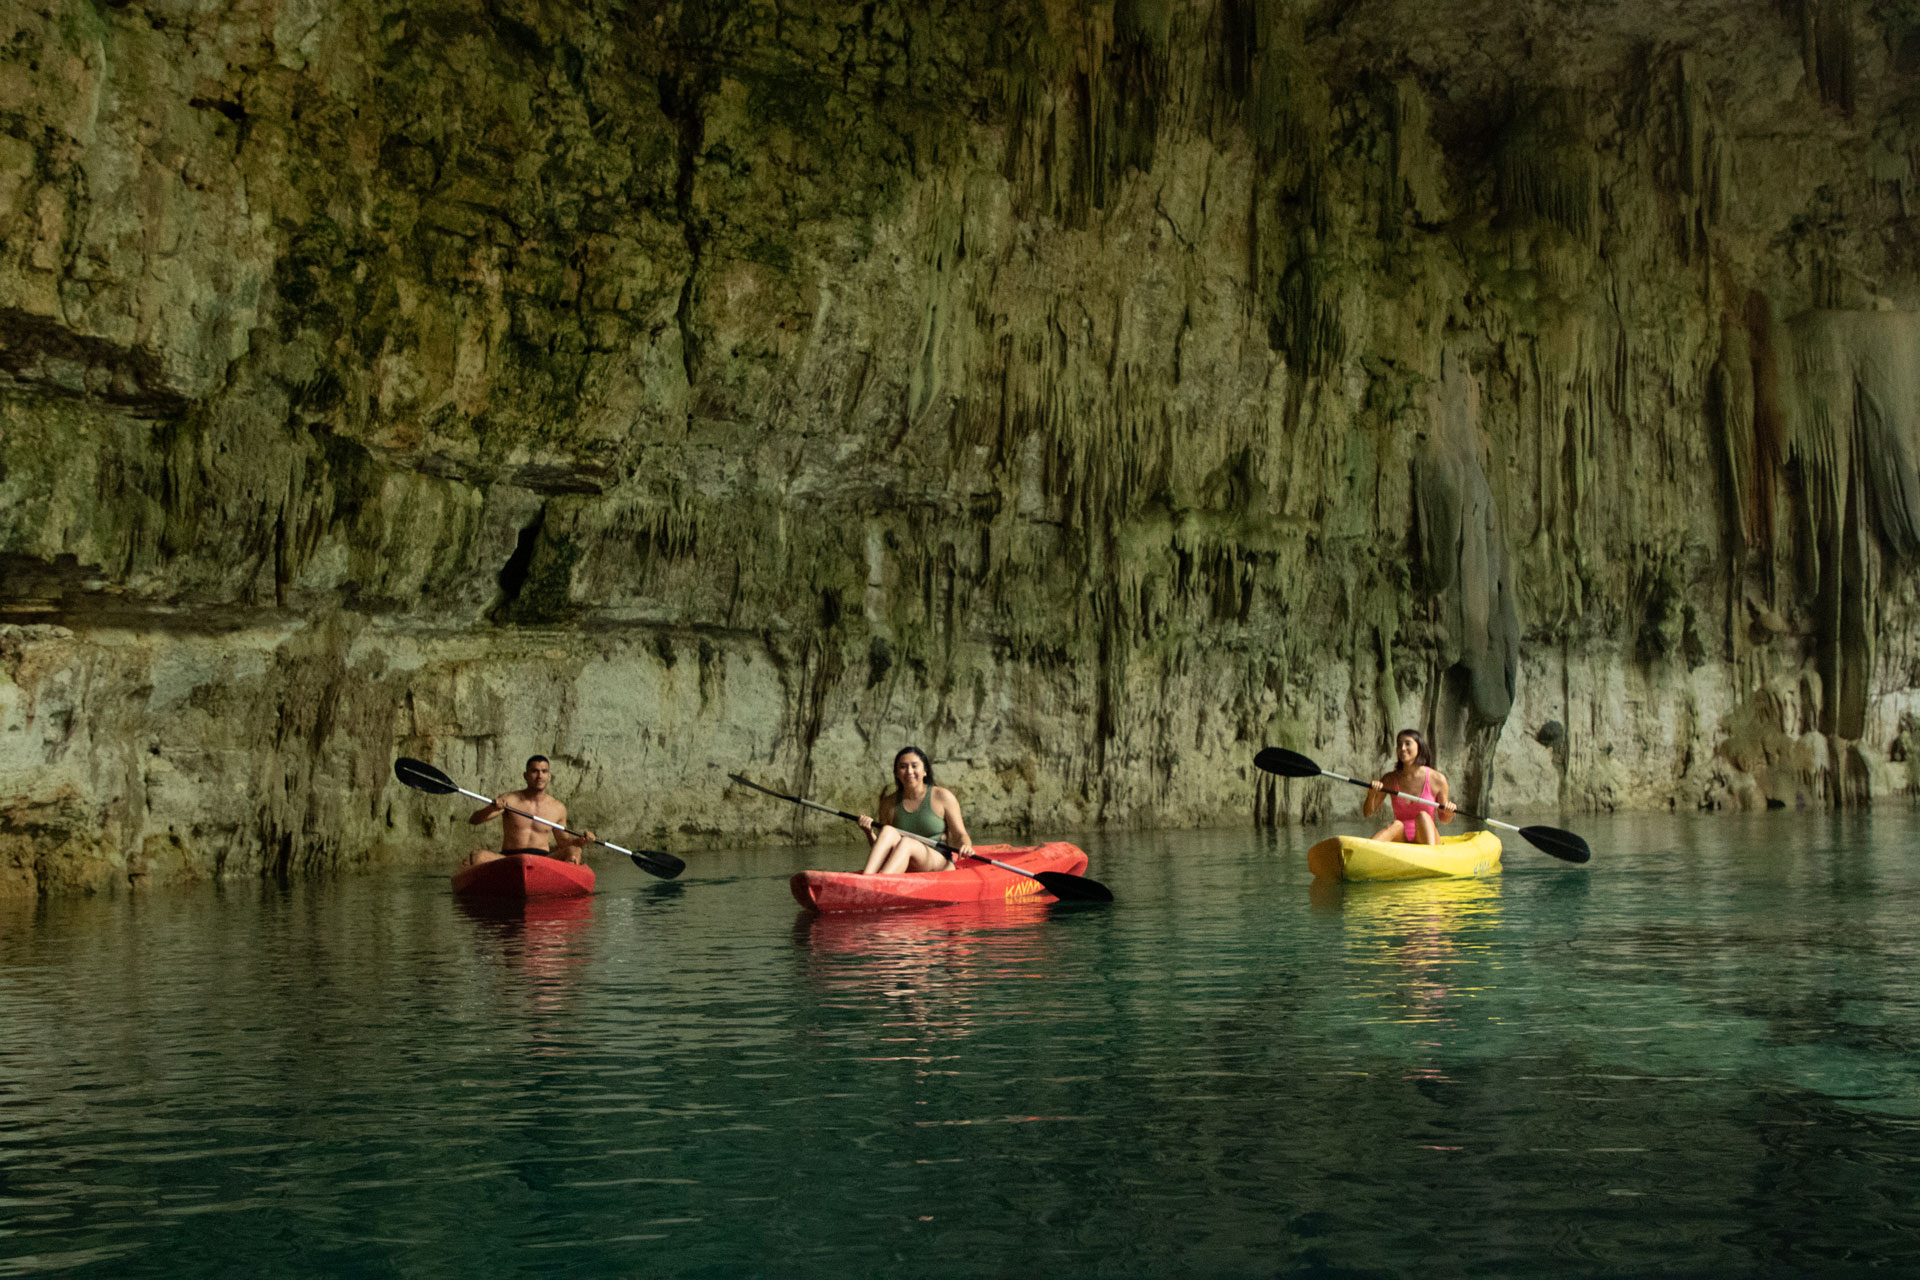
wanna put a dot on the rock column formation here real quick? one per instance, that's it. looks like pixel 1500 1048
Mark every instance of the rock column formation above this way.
pixel 1088 393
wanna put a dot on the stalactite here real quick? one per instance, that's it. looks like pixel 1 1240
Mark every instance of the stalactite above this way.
pixel 1730 401
pixel 1682 127
pixel 1545 169
pixel 1827 51
pixel 1463 554
pixel 1853 409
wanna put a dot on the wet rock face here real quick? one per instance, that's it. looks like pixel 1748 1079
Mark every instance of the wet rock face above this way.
pixel 1088 394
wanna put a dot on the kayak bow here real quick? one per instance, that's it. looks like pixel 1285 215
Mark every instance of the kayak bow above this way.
pixel 1477 853
pixel 523 875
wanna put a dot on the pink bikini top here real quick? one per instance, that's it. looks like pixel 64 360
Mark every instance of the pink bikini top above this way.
pixel 1407 810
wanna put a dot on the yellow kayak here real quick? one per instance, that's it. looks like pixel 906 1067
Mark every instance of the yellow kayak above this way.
pixel 1476 853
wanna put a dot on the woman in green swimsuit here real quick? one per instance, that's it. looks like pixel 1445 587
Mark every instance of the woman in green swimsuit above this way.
pixel 914 808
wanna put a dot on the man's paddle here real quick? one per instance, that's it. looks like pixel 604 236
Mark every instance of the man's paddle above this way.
pixel 422 776
pixel 1291 764
pixel 1067 888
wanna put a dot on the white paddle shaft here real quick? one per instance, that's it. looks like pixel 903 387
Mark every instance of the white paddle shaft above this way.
pixel 545 822
pixel 1431 804
pixel 940 846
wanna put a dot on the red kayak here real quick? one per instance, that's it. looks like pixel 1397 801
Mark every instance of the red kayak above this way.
pixel 971 881
pixel 524 875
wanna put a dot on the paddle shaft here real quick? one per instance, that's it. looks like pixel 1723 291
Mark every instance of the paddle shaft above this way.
pixel 545 822
pixel 1564 845
pixel 838 813
pixel 939 845
pixel 1062 884
pixel 1431 804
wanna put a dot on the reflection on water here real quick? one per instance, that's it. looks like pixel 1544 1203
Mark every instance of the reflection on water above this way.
pixel 955 936
pixel 543 920
pixel 1422 948
pixel 923 972
pixel 542 943
pixel 1692 1056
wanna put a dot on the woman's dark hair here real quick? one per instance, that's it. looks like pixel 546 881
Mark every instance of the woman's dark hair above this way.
pixel 925 763
pixel 1423 754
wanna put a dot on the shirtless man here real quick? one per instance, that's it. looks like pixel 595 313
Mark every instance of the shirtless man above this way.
pixel 520 835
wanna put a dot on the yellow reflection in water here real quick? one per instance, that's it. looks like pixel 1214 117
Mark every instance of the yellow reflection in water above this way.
pixel 1420 950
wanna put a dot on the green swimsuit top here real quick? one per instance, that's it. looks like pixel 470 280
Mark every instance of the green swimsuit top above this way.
pixel 922 821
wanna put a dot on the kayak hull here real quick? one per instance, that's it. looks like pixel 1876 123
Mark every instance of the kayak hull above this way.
pixel 1476 853
pixel 520 876
pixel 971 881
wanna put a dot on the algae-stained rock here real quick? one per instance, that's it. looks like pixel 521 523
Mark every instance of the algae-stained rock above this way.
pixel 1088 394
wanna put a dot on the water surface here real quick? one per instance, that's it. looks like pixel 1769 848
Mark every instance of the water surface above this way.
pixel 1693 1056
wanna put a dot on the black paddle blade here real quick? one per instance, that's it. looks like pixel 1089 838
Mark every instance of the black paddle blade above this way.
pixel 422 776
pixel 1564 845
pixel 1288 764
pixel 1072 888
pixel 654 862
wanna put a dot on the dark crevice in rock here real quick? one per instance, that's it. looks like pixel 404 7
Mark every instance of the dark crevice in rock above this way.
pixel 38 354
pixel 546 478
pixel 33 589
pixel 231 110
pixel 513 575
pixel 681 105
pixel 517 35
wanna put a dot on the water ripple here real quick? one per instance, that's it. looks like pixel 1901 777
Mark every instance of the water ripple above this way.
pixel 1692 1056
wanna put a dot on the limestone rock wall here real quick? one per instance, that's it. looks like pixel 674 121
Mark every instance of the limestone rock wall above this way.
pixel 1088 393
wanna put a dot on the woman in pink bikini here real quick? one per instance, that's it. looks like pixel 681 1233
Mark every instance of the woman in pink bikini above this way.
pixel 1416 776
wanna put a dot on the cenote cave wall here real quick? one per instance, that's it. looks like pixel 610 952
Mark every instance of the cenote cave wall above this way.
pixel 1088 393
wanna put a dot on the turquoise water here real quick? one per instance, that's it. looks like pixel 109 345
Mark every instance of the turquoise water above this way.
pixel 1694 1056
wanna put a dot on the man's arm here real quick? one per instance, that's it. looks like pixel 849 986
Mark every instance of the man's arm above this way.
pixel 488 812
pixel 566 839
